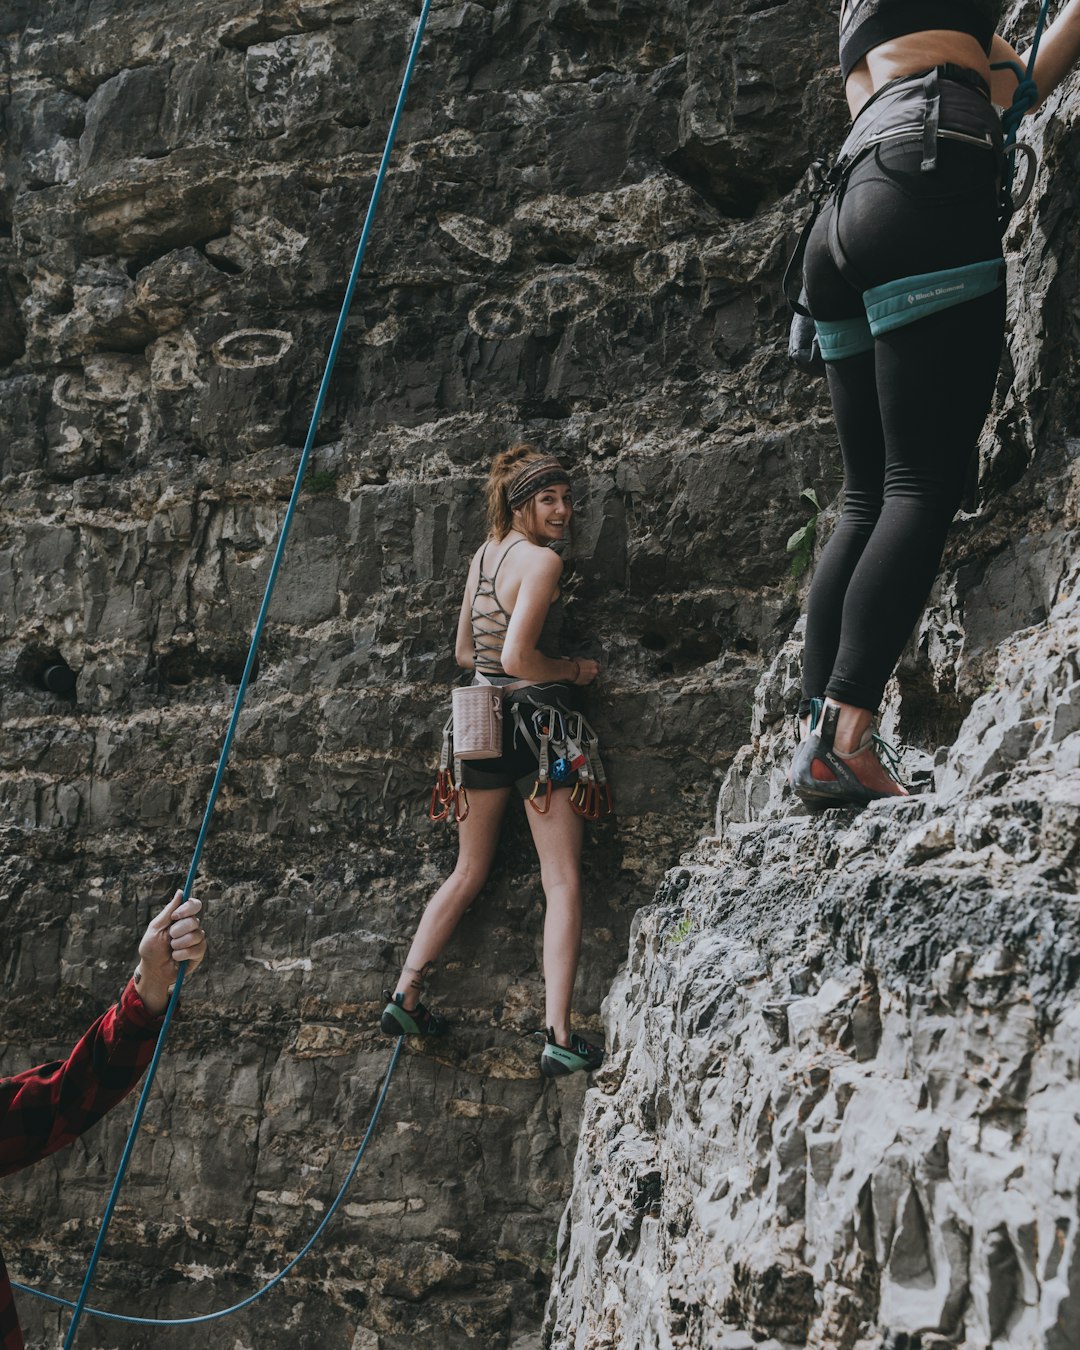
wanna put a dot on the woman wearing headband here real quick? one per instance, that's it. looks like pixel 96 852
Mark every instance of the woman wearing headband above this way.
pixel 508 628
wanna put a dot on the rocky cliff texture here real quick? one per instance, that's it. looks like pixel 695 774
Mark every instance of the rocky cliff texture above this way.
pixel 580 242
pixel 842 1111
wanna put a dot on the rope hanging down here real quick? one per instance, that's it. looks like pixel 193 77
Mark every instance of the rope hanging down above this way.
pixel 331 361
pixel 1025 96
pixel 252 1298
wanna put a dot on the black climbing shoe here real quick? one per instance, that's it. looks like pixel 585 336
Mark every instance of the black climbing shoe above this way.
pixel 822 776
pixel 397 1020
pixel 577 1057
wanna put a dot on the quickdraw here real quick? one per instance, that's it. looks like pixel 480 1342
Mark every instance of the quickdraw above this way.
pixel 448 791
pixel 576 748
pixel 565 746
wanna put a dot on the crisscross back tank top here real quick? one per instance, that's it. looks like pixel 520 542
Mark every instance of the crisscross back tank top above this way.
pixel 490 620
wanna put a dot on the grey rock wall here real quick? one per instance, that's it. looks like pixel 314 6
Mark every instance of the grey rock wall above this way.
pixel 842 1111
pixel 580 242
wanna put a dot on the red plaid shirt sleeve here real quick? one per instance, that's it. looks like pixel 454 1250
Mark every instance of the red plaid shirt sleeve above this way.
pixel 43 1109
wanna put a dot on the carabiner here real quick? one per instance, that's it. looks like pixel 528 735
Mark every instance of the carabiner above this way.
pixel 460 795
pixel 603 795
pixel 541 810
pixel 437 800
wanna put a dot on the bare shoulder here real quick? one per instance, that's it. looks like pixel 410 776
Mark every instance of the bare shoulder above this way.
pixel 540 561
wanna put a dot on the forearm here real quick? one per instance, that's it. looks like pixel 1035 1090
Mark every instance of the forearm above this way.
pixel 152 989
pixel 47 1107
pixel 541 669
pixel 1059 50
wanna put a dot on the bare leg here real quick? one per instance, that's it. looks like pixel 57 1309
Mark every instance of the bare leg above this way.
pixel 478 834
pixel 557 836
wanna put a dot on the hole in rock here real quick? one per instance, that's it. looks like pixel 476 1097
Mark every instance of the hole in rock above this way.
pixel 552 254
pixel 44 668
pixel 654 642
pixel 181 666
pixel 929 716
pixel 223 264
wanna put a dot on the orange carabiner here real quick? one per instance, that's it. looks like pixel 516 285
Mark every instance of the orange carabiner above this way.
pixel 438 800
pixel 579 797
pixel 460 795
pixel 604 796
pixel 541 810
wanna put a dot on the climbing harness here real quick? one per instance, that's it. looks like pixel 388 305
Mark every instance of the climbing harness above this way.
pixel 946 103
pixel 565 746
pixel 811 345
pixel 567 739
pixel 79 1306
pixel 252 1298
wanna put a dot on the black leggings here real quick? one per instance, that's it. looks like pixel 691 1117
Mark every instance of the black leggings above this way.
pixel 909 411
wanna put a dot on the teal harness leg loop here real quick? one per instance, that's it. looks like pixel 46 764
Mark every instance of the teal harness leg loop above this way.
pixel 839 338
pixel 908 299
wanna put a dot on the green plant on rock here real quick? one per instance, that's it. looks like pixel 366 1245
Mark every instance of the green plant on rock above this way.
pixel 801 543
pixel 320 480
pixel 681 931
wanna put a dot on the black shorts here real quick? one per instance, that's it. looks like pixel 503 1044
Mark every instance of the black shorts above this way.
pixel 518 765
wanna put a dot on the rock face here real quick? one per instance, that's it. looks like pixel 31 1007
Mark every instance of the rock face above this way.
pixel 580 242
pixel 842 1107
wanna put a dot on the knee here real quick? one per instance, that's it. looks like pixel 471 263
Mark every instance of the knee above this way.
pixel 561 886
pixel 466 881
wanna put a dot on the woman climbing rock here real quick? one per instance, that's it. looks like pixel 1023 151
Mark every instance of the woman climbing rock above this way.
pixel 904 275
pixel 510 621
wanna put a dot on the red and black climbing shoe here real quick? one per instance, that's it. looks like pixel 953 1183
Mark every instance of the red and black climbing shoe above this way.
pixel 821 775
pixel 397 1020
pixel 577 1057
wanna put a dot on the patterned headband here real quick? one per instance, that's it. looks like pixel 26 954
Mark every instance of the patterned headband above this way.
pixel 534 477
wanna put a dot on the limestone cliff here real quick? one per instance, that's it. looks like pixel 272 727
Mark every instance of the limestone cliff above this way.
pixel 842 1111
pixel 581 242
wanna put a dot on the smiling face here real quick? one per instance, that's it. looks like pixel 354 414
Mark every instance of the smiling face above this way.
pixel 546 517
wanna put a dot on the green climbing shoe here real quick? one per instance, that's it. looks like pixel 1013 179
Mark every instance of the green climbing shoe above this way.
pixel 397 1020
pixel 577 1057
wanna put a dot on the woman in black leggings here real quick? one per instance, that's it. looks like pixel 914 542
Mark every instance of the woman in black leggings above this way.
pixel 905 279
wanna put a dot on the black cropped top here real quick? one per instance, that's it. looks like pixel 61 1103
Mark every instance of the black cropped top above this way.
pixel 865 24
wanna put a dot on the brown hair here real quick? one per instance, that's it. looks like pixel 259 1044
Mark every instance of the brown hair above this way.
pixel 505 467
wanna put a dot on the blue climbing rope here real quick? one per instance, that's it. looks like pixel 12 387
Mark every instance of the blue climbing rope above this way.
pixel 1025 96
pixel 247 1302
pixel 331 361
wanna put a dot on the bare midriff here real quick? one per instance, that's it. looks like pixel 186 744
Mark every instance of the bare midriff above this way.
pixel 911 53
